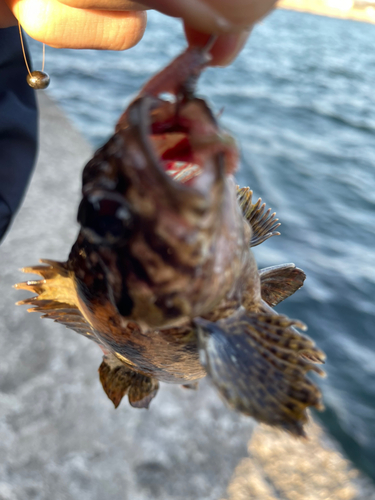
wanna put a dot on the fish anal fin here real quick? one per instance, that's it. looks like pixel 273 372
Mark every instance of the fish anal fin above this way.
pixel 280 282
pixel 115 380
pixel 262 221
pixel 142 391
pixel 254 361
pixel 118 380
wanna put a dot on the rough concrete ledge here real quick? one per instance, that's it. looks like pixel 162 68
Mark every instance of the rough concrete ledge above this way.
pixel 60 437
pixel 355 11
pixel 280 467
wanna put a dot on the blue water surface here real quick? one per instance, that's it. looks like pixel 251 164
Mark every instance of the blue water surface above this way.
pixel 300 99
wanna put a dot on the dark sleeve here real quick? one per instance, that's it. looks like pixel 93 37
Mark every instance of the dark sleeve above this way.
pixel 18 127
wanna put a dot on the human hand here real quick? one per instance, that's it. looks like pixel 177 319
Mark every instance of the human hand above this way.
pixel 231 20
pixel 120 24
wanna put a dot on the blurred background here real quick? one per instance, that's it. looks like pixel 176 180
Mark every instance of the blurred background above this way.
pixel 300 100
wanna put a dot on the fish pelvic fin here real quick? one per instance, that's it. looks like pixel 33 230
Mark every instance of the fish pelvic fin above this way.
pixel 256 362
pixel 118 380
pixel 263 222
pixel 280 282
pixel 56 296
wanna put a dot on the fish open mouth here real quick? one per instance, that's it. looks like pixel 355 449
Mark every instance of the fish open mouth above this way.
pixel 189 143
pixel 179 134
pixel 179 164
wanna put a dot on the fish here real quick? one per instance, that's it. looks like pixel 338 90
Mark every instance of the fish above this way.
pixel 162 276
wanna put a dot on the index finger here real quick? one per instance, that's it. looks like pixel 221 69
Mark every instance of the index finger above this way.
pixel 225 48
pixel 215 16
pixel 115 5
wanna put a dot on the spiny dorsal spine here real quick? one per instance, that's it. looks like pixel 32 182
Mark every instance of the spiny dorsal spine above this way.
pixel 263 223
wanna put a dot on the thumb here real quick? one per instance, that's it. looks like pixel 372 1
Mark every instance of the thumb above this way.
pixel 63 26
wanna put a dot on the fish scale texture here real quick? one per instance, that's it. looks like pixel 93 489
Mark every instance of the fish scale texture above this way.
pixel 60 437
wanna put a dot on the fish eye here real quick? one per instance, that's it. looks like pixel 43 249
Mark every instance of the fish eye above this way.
pixel 104 218
pixel 98 173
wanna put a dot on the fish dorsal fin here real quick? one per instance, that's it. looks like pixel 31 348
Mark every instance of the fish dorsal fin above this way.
pixel 256 362
pixel 263 223
pixel 280 282
pixel 56 296
pixel 118 380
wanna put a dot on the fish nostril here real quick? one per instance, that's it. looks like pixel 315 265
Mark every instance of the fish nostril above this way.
pixel 105 218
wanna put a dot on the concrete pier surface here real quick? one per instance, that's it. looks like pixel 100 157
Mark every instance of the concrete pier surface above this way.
pixel 355 10
pixel 60 437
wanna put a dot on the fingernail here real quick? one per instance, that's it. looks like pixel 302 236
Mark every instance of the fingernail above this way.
pixel 232 49
pixel 195 13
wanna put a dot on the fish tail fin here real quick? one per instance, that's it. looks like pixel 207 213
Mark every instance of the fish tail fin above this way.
pixel 56 295
pixel 263 222
pixel 118 380
pixel 257 363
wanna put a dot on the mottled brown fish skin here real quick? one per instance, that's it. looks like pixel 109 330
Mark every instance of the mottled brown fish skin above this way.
pixel 162 275
pixel 178 250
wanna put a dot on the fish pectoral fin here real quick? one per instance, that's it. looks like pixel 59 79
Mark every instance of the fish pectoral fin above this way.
pixel 56 296
pixel 280 282
pixel 256 362
pixel 262 222
pixel 118 380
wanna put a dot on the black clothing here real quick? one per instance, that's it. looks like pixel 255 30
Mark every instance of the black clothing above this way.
pixel 18 126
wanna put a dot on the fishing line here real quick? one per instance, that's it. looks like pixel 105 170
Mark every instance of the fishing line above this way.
pixel 36 79
pixel 210 43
